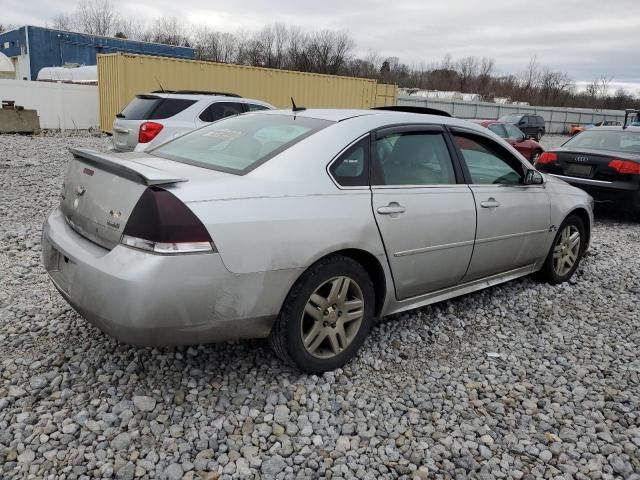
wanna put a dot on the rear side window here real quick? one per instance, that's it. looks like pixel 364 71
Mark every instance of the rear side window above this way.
pixel 241 143
pixel 254 107
pixel 154 108
pixel 219 110
pixel 350 169
pixel 540 120
pixel 412 158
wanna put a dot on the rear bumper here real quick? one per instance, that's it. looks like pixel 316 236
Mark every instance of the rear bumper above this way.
pixel 626 194
pixel 153 300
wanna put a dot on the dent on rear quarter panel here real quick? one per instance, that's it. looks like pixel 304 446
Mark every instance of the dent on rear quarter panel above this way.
pixel 262 234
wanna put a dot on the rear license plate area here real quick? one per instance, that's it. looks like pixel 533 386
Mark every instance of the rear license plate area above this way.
pixel 579 170
pixel 59 266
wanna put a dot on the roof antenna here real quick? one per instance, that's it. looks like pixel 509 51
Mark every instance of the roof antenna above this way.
pixel 296 108
pixel 161 89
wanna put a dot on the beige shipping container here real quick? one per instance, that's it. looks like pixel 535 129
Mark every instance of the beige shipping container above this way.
pixel 122 76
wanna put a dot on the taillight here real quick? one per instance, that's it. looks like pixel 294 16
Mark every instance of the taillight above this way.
pixel 161 223
pixel 625 166
pixel 149 131
pixel 547 157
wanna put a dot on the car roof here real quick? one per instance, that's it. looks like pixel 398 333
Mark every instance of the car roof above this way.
pixel 385 116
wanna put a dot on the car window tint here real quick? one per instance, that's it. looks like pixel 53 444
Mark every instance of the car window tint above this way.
pixel 488 163
pixel 154 108
pixel 413 158
pixel 349 169
pixel 513 131
pixel 498 129
pixel 254 107
pixel 219 110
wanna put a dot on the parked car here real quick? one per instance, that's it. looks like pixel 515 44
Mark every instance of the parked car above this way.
pixel 532 125
pixel 303 226
pixel 604 161
pixel 530 149
pixel 577 128
pixel 153 118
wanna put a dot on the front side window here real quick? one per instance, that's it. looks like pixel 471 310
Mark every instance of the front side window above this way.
pixel 219 110
pixel 350 169
pixel 412 158
pixel 241 143
pixel 487 162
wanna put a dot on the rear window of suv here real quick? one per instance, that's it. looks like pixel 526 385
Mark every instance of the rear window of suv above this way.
pixel 239 144
pixel 151 107
pixel 513 118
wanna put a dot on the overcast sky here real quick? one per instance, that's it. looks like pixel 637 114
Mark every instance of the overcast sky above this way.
pixel 585 38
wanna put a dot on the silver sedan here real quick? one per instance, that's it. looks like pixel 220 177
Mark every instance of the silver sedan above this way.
pixel 303 226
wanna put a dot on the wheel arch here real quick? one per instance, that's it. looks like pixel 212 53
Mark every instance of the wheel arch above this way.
pixel 372 266
pixel 583 215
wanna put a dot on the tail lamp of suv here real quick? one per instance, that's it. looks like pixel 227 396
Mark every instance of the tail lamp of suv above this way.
pixel 161 223
pixel 148 131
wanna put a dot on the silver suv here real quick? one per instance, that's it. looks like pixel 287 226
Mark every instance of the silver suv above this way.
pixel 153 118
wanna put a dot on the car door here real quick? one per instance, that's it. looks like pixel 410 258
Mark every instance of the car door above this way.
pixel 513 218
pixel 426 218
pixel 518 140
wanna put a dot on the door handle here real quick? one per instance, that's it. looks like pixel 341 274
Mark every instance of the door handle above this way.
pixel 490 203
pixel 393 208
pixel 121 130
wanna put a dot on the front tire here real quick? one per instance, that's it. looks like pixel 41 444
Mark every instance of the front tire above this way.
pixel 326 316
pixel 566 251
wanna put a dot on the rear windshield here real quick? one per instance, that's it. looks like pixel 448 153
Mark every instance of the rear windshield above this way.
pixel 616 140
pixel 154 108
pixel 511 118
pixel 239 144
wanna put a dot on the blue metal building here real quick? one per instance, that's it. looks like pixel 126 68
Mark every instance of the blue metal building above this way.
pixel 32 48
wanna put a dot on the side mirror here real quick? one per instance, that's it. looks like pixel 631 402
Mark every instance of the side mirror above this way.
pixel 522 138
pixel 533 177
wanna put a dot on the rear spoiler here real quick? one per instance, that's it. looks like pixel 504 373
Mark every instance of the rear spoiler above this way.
pixel 130 169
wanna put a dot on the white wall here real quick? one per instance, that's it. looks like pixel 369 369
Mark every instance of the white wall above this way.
pixel 59 105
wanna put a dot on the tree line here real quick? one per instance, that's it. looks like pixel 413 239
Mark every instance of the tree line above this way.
pixel 289 47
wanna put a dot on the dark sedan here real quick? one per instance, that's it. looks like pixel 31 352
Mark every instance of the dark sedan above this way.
pixel 604 161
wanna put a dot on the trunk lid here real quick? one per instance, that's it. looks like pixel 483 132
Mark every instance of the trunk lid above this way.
pixel 100 191
pixel 587 163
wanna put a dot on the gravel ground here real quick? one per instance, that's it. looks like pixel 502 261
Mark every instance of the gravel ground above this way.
pixel 523 380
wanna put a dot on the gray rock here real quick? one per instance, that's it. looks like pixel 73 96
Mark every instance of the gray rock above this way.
pixel 121 441
pixel 174 472
pixel 272 466
pixel 144 403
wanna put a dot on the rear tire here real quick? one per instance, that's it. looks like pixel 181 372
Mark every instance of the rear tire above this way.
pixel 566 251
pixel 538 135
pixel 326 316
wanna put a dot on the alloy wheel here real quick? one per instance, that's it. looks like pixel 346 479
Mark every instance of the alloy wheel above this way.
pixel 332 317
pixel 566 250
